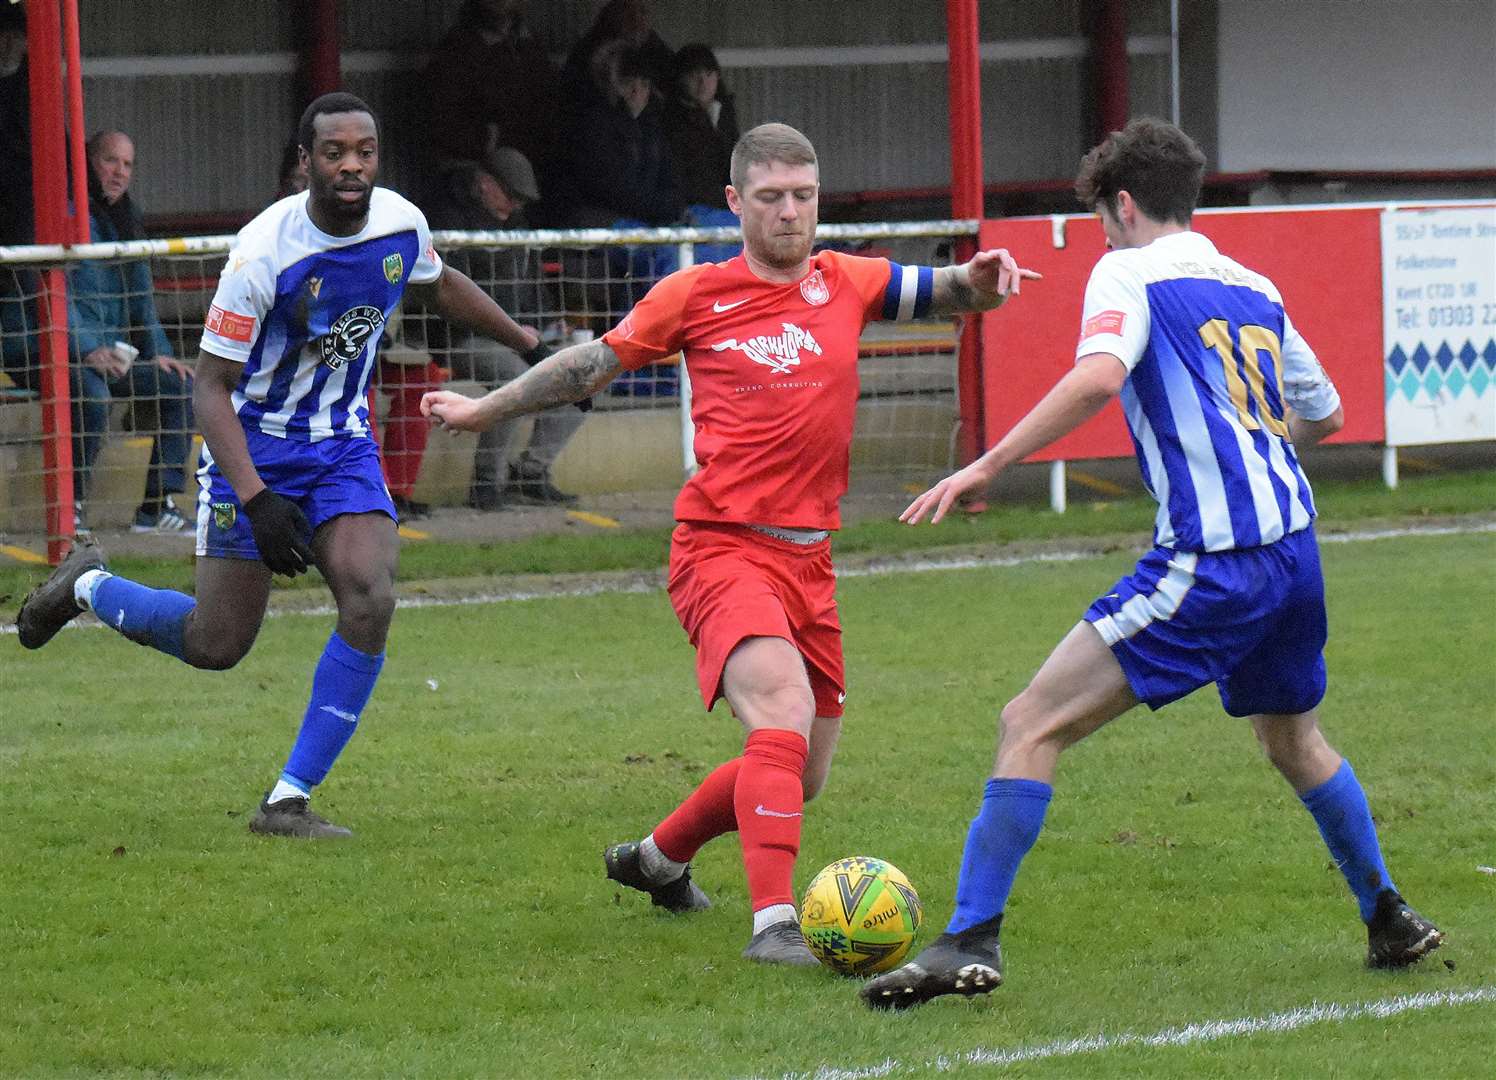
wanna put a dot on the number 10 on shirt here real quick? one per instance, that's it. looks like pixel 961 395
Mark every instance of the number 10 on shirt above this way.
pixel 1251 340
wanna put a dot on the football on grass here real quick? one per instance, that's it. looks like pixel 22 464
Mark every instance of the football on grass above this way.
pixel 860 915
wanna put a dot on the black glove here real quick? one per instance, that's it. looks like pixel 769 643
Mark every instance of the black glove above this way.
pixel 539 353
pixel 281 533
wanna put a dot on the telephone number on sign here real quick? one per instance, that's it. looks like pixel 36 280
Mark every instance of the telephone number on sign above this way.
pixel 1456 315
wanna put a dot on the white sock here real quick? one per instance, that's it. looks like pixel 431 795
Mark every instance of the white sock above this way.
pixel 83 588
pixel 657 866
pixel 283 790
pixel 764 918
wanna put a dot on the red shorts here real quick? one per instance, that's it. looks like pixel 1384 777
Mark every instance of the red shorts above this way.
pixel 729 582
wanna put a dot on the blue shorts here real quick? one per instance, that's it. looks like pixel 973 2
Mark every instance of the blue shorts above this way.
pixel 327 478
pixel 1250 621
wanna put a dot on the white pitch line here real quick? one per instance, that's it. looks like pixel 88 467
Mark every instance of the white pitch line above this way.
pixel 880 568
pixel 1187 1035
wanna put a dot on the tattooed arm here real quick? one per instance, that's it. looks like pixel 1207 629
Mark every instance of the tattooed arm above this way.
pixel 575 372
pixel 979 285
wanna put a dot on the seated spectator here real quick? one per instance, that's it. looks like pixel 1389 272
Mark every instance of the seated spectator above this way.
pixel 701 128
pixel 120 348
pixel 16 222
pixel 617 159
pixel 490 196
pixel 489 83
pixel 19 284
pixel 629 22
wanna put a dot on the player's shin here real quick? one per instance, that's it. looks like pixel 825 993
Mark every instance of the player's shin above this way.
pixel 1340 810
pixel 341 687
pixel 1001 834
pixel 706 813
pixel 153 617
pixel 769 803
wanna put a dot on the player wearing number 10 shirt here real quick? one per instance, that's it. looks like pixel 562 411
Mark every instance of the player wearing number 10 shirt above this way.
pixel 1218 388
pixel 770 343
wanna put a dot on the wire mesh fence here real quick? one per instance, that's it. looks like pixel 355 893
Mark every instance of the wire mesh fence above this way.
pixel 133 315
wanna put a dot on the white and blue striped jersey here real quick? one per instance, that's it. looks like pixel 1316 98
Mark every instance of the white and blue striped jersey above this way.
pixel 304 311
pixel 1213 364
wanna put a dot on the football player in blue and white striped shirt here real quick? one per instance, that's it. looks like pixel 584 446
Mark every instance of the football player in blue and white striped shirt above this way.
pixel 291 475
pixel 1218 389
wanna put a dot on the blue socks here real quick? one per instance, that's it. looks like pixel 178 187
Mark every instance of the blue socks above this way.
pixel 1344 819
pixel 154 617
pixel 1001 834
pixel 340 689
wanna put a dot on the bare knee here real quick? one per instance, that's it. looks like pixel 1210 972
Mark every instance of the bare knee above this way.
pixel 787 707
pixel 364 614
pixel 1019 725
pixel 219 654
pixel 1296 748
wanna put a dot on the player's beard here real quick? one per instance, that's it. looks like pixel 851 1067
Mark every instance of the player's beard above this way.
pixel 785 251
pixel 350 212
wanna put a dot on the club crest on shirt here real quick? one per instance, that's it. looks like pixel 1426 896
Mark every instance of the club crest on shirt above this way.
pixel 394 266
pixel 778 352
pixel 345 340
pixel 814 289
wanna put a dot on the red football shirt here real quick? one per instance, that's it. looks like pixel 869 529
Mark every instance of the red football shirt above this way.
pixel 774 385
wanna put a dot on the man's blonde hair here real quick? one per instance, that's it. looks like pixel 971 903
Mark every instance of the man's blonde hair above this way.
pixel 770 144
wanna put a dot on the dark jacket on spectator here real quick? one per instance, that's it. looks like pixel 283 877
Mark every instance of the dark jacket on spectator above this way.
pixel 111 301
pixel 618 166
pixel 470 83
pixel 700 151
pixel 16 223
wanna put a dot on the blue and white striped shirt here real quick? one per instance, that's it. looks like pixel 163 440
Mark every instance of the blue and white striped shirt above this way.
pixel 304 311
pixel 1213 365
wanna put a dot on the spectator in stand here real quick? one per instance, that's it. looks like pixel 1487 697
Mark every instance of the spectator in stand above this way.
pixel 626 21
pixel 508 89
pixel 293 178
pixel 16 223
pixel 701 127
pixel 120 348
pixel 482 197
pixel 617 158
pixel 19 285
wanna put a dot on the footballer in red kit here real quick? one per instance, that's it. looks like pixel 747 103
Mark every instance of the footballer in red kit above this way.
pixel 769 339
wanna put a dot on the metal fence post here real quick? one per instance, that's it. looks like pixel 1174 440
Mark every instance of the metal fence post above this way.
pixel 687 257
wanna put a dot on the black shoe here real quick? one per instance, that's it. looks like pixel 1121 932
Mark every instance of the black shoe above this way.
pixel 409 509
pixel 51 606
pixel 781 943
pixel 968 963
pixel 294 817
pixel 679 896
pixel 531 483
pixel 485 498
pixel 1397 935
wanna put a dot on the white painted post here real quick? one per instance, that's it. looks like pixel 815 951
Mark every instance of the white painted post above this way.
pixel 1389 467
pixel 687 257
pixel 1057 486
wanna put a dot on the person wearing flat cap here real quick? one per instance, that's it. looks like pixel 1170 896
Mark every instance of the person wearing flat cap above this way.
pixel 490 194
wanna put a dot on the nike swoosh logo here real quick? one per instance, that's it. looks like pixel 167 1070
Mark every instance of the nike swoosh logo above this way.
pixel 720 307
pixel 761 812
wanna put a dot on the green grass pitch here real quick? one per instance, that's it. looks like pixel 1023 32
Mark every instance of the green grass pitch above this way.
pixel 468 930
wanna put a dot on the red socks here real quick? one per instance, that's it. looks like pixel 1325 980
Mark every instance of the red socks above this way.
pixel 759 794
pixel 706 813
pixel 769 802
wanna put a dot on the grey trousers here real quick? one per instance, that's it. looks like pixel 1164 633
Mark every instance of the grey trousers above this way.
pixel 493 365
